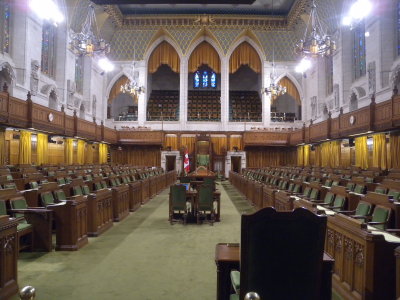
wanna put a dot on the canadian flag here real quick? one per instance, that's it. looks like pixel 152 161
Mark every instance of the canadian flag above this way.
pixel 186 165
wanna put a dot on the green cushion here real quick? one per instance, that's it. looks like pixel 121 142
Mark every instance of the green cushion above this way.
pixel 124 180
pixel 3 209
pixel 113 182
pixel 329 198
pixel 9 177
pixel 328 182
pixel 19 203
pixel 178 197
pixel 314 194
pixel 68 179
pixel 335 183
pixel 363 209
pixel 60 180
pixel 89 177
pixel 350 186
pixel 359 189
pixel 10 185
pixel 118 181
pixel 85 189
pixel 394 194
pixel 380 215
pixel 23 226
pixel 47 198
pixel 291 187
pixel 60 195
pixel 380 190
pixel 235 279
pixel 306 192
pixel 339 201
pixel 77 190
pixel 296 188
pixel 98 186
pixel 103 184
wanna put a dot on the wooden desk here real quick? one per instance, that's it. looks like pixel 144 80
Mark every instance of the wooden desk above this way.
pixel 8 257
pixel 227 258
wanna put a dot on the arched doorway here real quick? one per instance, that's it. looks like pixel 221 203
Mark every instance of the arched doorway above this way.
pixel 287 107
pixel 121 106
pixel 204 87
pixel 245 85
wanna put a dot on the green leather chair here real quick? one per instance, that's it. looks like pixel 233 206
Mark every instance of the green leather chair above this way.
pixel 60 195
pixel 98 186
pixel 395 194
pixel 362 211
pixel 381 190
pixel 47 198
pixel 104 184
pixel 314 194
pixel 380 217
pixel 205 204
pixel 177 204
pixel 77 190
pixel 338 203
pixel 359 189
pixel 85 189
pixel 328 200
pixel 61 180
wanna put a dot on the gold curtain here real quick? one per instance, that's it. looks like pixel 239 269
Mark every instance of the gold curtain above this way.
pixel 335 153
pixel 270 156
pixel 171 141
pixel 300 155
pixel 379 153
pixel 245 54
pixel 189 142
pixel 149 156
pixel 89 154
pixel 306 152
pixel 219 145
pixel 2 147
pixel 25 148
pixel 164 54
pixel 236 141
pixel 318 156
pixel 325 152
pixel 80 152
pixel 290 90
pixel 103 151
pixel 361 149
pixel 204 54
pixel 42 149
pixel 116 89
pixel 394 144
pixel 69 151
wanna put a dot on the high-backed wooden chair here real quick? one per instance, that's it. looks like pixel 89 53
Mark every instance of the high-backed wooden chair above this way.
pixel 281 255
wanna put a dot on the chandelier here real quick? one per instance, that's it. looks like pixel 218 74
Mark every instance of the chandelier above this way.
pixel 87 42
pixel 274 89
pixel 315 41
pixel 131 86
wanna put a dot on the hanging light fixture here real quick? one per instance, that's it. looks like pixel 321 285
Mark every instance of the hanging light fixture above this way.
pixel 274 89
pixel 316 42
pixel 131 86
pixel 87 41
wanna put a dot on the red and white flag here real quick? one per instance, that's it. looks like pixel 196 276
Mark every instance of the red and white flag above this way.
pixel 186 165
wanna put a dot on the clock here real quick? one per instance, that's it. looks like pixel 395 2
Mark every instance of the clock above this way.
pixel 352 119
pixel 50 117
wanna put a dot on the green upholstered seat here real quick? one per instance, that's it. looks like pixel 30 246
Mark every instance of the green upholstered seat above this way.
pixel 335 183
pixel 124 179
pixel 113 182
pixel 235 279
pixel 47 198
pixel 339 202
pixel 177 203
pixel 314 194
pixel 104 184
pixel 98 186
pixel 363 209
pixel 307 192
pixel 61 180
pixel 68 179
pixel 44 181
pixel 18 203
pixel 117 181
pixel 10 185
pixel 205 203
pixel 380 190
pixel 24 230
pixel 359 189
pixel 329 198
pixel 51 173
pixel 395 194
pixel 23 226
pixel 9 177
pixel 88 177
pixel 3 209
pixel 33 185
pixel 291 187
pixel 60 195
pixel 77 190
pixel 350 186
pixel 296 188
pixel 85 189
pixel 380 217
pixel 328 182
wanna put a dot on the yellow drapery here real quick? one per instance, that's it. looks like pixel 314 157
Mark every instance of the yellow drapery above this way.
pixel 25 148
pixel 103 151
pixel 318 156
pixel 335 153
pixel 80 152
pixel 171 141
pixel 89 154
pixel 219 145
pixel 245 54
pixel 116 89
pixel 164 54
pixel 379 152
pixel 306 153
pixel 394 143
pixel 236 141
pixel 300 155
pixel 2 147
pixel 69 151
pixel 42 149
pixel 290 90
pixel 188 142
pixel 361 149
pixel 204 54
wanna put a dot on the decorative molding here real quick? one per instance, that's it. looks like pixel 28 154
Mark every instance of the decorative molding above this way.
pixel 115 14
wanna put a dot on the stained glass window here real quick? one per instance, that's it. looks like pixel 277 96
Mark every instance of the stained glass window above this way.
pixel 6 14
pixel 359 64
pixel 48 49
pixel 329 74
pixel 205 79
pixel 213 80
pixel 197 79
pixel 79 74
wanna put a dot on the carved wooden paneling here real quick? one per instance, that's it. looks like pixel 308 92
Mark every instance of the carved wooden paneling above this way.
pixel 396 111
pixel 18 112
pixel 297 137
pixel 265 138
pixel 361 123
pixel 3 107
pixel 86 129
pixel 41 120
pixel 98 133
pixel 141 137
pixel 69 126
pixel 110 135
pixel 383 115
pixel 307 135
pixel 319 131
pixel 334 128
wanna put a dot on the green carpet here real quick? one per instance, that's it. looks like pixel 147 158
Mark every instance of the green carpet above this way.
pixel 142 257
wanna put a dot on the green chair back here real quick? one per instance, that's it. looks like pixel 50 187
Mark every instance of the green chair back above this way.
pixel 97 186
pixel 314 194
pixel 68 179
pixel 328 182
pixel 178 197
pixel 18 203
pixel 206 198
pixel 306 192
pixel 3 209
pixel 113 182
pixel 296 188
pixel 117 181
pixel 47 198
pixel 291 187
pixel 89 177
pixel 380 214
pixel 33 185
pixel 339 202
pixel 60 195
pixel 329 197
pixel 10 185
pixel 335 183
pixel 104 184
pixel 77 190
pixel 359 189
pixel 61 180
pixel 363 209
pixel 85 189
pixel 350 186
pixel 395 194
pixel 380 190
pixel 124 179
pixel 9 177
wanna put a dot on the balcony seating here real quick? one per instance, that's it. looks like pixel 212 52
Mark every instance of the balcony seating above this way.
pixel 163 105
pixel 204 106
pixel 245 106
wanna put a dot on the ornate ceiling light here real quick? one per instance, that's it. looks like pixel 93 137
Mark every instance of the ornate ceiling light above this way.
pixel 316 42
pixel 131 86
pixel 87 42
